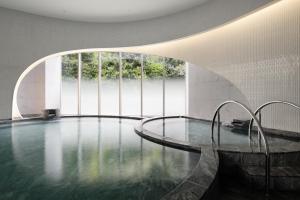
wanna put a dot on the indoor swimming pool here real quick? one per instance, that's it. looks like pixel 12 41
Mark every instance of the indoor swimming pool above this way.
pixel 104 158
pixel 87 158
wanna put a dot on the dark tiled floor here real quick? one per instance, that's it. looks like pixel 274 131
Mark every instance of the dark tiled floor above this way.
pixel 234 190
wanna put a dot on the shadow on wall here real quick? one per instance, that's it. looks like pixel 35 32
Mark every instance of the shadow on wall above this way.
pixel 206 90
pixel 31 95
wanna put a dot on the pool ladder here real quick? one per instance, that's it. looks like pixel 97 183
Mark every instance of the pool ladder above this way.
pixel 258 112
pixel 260 132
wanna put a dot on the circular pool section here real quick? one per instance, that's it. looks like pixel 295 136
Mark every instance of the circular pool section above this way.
pixel 87 158
pixel 191 132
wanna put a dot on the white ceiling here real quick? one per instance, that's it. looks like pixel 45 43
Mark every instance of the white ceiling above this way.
pixel 101 10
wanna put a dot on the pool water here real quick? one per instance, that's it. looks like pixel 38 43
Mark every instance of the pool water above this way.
pixel 87 158
pixel 198 133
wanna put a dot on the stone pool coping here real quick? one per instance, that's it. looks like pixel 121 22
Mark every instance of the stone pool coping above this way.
pixel 203 177
pixel 201 181
pixel 253 148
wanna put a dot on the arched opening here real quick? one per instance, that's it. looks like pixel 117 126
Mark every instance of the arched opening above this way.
pixel 93 82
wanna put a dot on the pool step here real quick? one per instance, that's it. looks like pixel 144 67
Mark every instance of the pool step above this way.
pixel 282 178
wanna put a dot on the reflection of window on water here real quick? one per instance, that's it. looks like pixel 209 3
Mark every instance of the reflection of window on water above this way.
pixel 125 94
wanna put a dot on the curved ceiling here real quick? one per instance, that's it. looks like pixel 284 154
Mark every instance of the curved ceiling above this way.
pixel 101 10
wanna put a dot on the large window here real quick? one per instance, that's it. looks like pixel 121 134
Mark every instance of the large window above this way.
pixel 115 83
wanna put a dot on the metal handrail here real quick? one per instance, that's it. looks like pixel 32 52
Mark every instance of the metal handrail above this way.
pixel 261 132
pixel 258 111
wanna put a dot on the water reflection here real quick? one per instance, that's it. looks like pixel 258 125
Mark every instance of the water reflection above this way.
pixel 98 156
pixel 53 153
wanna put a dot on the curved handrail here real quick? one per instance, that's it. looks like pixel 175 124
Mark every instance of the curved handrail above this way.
pixel 267 152
pixel 258 110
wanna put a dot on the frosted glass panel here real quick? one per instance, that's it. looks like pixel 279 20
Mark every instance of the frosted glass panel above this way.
pixel 89 84
pixel 110 84
pixel 175 87
pixel 69 93
pixel 131 90
pixel 153 86
pixel 133 94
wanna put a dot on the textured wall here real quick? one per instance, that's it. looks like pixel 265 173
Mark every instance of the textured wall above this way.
pixel 260 55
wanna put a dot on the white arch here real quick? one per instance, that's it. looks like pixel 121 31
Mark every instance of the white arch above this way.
pixel 15 109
